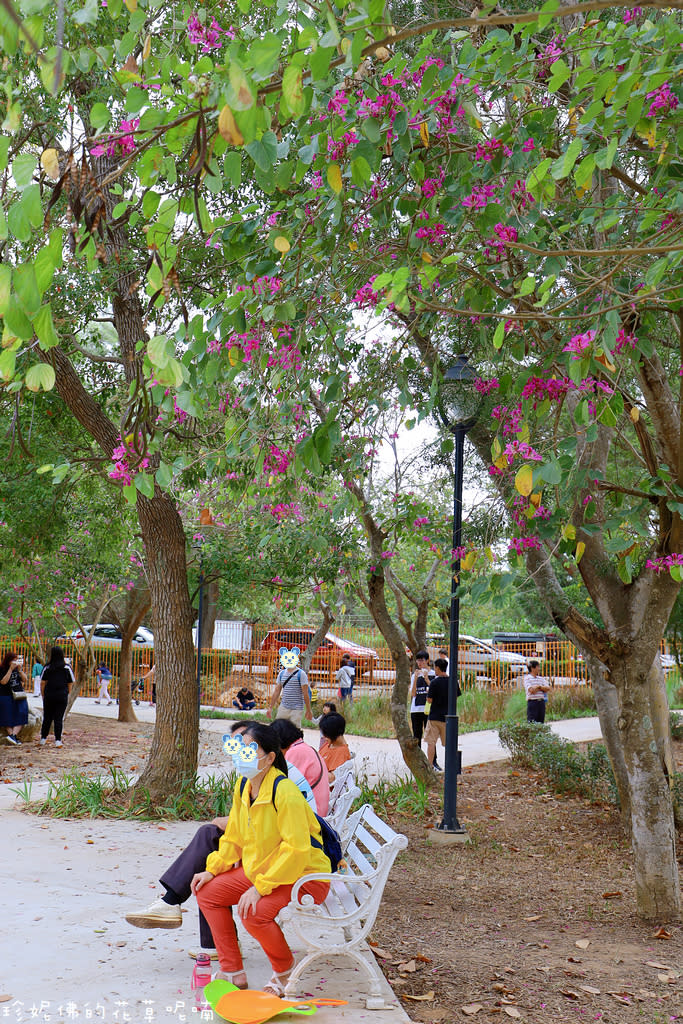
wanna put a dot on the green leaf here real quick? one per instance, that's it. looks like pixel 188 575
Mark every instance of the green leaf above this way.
pixel 361 172
pixel 164 476
pixel 499 335
pixel 560 73
pixel 263 151
pixel 130 493
pixel 16 321
pixel 232 167
pixel 583 174
pixel 144 483
pixel 551 472
pixel 40 377
pixel 293 90
pixel 99 115
pixel 160 350
pixel 538 174
pixel 45 328
pixel 564 163
pixel 26 288
pixel 264 54
pixel 5 287
pixel 87 15
pixel 624 572
pixel 320 62
pixel 8 360
pixel 18 223
pixel 527 285
pixel 240 95
pixel 23 167
pixel 31 205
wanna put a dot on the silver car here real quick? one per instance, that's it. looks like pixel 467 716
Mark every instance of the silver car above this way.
pixel 106 634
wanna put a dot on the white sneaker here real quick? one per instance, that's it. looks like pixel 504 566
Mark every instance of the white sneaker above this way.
pixel 156 915
pixel 58 743
pixel 42 741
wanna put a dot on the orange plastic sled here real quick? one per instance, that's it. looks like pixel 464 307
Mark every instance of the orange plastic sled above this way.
pixel 251 1006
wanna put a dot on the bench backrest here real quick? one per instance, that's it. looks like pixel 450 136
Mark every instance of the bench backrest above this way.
pixel 342 796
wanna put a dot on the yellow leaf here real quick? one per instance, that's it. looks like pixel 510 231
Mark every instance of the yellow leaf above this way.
pixel 234 355
pixel 147 48
pixel 652 137
pixel 606 362
pixel 132 5
pixel 469 560
pixel 535 499
pixel 665 146
pixel 496 449
pixel 282 244
pixel 427 257
pixel 523 432
pixel 334 177
pixel 569 531
pixel 572 121
pixel 382 53
pixel 501 463
pixel 524 480
pixel 580 548
pixel 424 134
pixel 581 191
pixel 228 127
pixel 489 553
pixel 49 161
pixel 353 246
pixel 634 414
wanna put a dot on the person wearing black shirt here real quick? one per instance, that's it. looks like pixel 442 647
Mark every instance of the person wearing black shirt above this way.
pixel 438 695
pixel 55 684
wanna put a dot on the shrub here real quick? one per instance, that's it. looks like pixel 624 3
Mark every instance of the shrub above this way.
pixel 676 719
pixel 568 770
pixel 519 738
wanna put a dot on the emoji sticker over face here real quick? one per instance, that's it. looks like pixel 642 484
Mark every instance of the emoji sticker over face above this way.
pixel 232 743
pixel 289 659
pixel 246 760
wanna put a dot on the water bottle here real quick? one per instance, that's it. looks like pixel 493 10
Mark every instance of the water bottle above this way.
pixel 201 976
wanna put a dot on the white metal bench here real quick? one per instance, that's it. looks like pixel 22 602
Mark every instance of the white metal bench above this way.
pixel 342 923
pixel 342 795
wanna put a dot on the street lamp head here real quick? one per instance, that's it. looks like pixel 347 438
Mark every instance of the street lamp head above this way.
pixel 459 402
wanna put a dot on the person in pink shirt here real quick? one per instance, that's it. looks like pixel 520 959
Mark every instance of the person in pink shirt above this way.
pixel 307 760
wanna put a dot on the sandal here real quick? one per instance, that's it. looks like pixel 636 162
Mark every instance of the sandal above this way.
pixel 232 978
pixel 277 984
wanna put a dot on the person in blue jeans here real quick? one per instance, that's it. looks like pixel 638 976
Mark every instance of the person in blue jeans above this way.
pixel 244 700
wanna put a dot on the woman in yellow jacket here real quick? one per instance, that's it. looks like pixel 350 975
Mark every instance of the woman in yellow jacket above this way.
pixel 267 846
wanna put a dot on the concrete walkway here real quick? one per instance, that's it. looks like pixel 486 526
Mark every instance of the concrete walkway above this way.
pixel 66 952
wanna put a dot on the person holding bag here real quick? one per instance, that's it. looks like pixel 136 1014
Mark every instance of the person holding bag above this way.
pixel 13 700
pixel 55 684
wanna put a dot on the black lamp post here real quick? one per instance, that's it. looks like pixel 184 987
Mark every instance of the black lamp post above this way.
pixel 458 407
pixel 199 544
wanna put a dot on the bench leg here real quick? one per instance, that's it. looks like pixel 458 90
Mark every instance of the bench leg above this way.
pixel 375 1001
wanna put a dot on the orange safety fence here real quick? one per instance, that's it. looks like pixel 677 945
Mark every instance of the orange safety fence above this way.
pixel 224 672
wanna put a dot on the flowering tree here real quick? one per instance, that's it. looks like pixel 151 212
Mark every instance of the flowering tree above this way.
pixel 238 195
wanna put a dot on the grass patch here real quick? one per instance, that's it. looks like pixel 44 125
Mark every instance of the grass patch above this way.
pixel 114 796
pixel 409 798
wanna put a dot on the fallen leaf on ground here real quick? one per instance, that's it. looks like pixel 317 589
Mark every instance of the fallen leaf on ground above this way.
pixel 423 959
pixel 569 993
pixel 657 966
pixel 583 943
pixel 410 966
pixel 590 989
pixel 534 917
pixel 620 998
pixel 662 933
pixel 670 978
pixel 378 951
pixel 426 998
pixel 472 1008
pixel 511 1011
pixel 611 895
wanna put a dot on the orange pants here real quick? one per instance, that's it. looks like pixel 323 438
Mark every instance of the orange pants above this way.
pixel 216 900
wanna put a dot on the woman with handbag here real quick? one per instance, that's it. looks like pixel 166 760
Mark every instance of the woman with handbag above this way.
pixel 13 700
pixel 55 684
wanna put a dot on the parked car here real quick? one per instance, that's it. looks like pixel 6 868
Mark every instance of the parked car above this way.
pixel 106 634
pixel 328 654
pixel 476 656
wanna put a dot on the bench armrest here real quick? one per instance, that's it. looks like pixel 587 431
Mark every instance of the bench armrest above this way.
pixel 321 876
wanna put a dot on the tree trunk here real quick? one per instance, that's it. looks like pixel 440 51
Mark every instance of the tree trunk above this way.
pixel 318 637
pixel 209 613
pixel 411 750
pixel 652 825
pixel 173 754
pixel 607 702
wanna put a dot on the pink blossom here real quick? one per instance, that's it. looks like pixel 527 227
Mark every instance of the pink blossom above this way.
pixel 207 39
pixel 522 544
pixel 528 146
pixel 664 562
pixel 631 15
pixel 580 343
pixel 663 100
pixel 485 387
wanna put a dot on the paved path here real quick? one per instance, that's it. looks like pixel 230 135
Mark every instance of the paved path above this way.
pixel 66 952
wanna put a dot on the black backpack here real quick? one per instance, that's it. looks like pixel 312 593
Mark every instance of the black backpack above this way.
pixel 331 844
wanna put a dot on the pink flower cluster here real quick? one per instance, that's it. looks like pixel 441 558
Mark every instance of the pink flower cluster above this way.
pixel 121 457
pixel 480 196
pixel 283 511
pixel 510 419
pixel 664 562
pixel 496 245
pixel 207 38
pixel 580 344
pixel 522 544
pixel 288 357
pixel 277 461
pixel 337 150
pixel 623 341
pixel 366 297
pixel 120 143
pixel 547 57
pixel 338 103
pixel 435 234
pixel 520 196
pixel 430 186
pixel 663 100
pixel 488 149
pixel 521 448
pixel 631 15
pixel 485 387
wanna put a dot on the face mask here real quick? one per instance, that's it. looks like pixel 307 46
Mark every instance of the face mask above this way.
pixel 246 761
